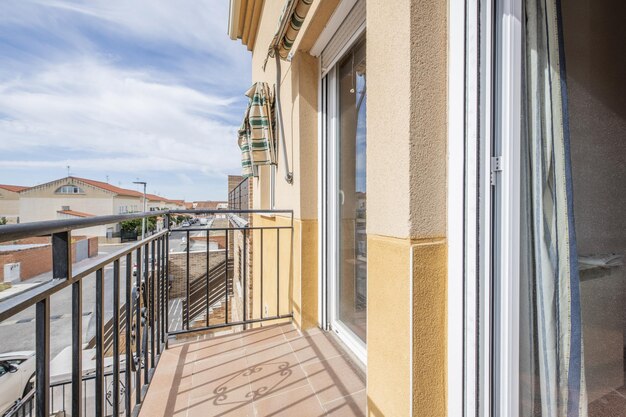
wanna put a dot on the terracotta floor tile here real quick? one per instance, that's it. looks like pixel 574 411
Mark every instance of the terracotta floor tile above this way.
pixel 276 375
pixel 315 347
pixel 353 405
pixel 159 405
pixel 228 380
pixel 300 402
pixel 290 332
pixel 258 354
pixel 217 346
pixel 334 378
pixel 259 339
pixel 211 406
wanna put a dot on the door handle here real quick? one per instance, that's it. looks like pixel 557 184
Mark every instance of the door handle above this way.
pixel 342 196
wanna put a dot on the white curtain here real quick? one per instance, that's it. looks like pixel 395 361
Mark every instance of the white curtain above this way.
pixel 552 377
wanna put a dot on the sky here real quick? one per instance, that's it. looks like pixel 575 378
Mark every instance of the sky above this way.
pixel 120 91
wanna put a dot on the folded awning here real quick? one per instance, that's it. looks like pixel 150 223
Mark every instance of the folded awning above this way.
pixel 289 25
pixel 256 134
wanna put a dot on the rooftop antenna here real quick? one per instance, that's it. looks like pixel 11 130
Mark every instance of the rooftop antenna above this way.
pixel 107 179
pixel 68 170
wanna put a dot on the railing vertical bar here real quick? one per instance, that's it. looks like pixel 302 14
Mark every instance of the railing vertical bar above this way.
pixel 208 274
pixel 137 330
pixel 62 255
pixel 116 338
pixel 42 358
pixel 100 343
pixel 167 287
pixel 62 267
pixel 146 310
pixel 163 288
pixel 226 282
pixel 187 283
pixel 277 272
pixel 244 269
pixel 158 287
pixel 261 274
pixel 128 314
pixel 150 278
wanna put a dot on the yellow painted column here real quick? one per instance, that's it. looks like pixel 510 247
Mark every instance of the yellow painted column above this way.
pixel 406 208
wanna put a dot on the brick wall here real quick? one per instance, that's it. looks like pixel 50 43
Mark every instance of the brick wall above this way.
pixel 197 269
pixel 38 260
pixel 237 246
pixel 233 181
pixel 33 261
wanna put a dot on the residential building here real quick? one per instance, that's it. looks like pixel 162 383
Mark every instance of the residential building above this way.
pixel 206 205
pixel 175 204
pixel 74 197
pixel 9 202
pixel 156 202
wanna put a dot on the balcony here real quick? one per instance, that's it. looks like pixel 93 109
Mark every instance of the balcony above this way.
pixel 182 326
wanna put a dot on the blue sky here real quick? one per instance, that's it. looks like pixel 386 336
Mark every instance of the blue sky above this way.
pixel 124 90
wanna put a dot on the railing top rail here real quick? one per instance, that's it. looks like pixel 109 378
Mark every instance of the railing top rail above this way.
pixel 28 298
pixel 11 232
pixel 24 230
pixel 230 211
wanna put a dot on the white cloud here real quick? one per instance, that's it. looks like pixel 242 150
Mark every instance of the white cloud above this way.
pixel 194 24
pixel 92 106
pixel 120 86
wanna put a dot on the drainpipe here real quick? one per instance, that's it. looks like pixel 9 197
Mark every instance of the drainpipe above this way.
pixel 279 118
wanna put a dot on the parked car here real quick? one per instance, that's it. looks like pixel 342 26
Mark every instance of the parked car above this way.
pixel 17 377
pixel 185 224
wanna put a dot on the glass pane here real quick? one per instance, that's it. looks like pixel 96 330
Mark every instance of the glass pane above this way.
pixel 573 228
pixel 352 278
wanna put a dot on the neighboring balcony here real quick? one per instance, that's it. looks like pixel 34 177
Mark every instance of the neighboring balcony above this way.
pixel 193 320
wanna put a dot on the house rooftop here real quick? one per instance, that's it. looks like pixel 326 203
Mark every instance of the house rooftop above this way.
pixel 14 188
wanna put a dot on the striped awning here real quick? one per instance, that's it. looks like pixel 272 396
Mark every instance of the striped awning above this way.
pixel 256 134
pixel 289 25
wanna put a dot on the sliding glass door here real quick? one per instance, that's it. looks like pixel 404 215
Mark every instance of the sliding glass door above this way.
pixel 346 197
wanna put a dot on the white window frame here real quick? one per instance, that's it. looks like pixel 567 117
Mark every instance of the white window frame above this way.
pixel 357 346
pixel 483 219
pixel 507 83
pixel 327 123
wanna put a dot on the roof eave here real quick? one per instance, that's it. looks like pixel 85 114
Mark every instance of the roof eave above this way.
pixel 243 20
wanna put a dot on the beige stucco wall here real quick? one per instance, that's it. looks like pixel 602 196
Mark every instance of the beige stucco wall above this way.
pixel 406 109
pixel 131 204
pixel 299 104
pixel 9 205
pixel 41 203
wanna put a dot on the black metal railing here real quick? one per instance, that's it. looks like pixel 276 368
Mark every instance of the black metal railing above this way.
pixel 157 281
pixel 238 197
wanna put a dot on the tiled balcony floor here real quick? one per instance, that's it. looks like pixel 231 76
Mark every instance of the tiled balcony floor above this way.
pixel 270 371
